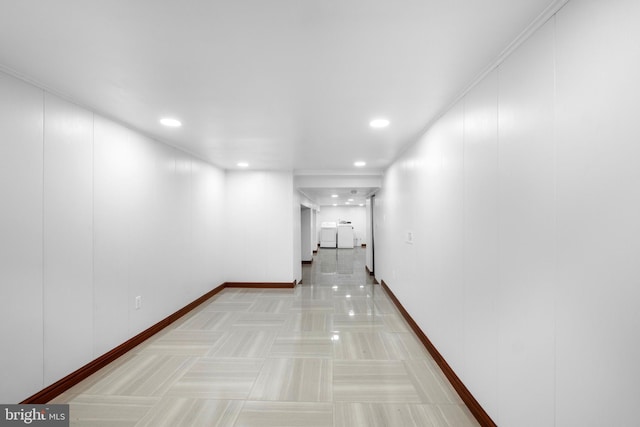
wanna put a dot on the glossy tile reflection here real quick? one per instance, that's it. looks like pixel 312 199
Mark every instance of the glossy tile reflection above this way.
pixel 334 351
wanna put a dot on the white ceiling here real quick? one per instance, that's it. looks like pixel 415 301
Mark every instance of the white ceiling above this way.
pixel 346 196
pixel 281 84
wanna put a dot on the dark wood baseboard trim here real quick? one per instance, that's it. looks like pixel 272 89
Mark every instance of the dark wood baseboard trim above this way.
pixel 307 262
pixel 261 285
pixel 371 274
pixel 60 386
pixel 474 406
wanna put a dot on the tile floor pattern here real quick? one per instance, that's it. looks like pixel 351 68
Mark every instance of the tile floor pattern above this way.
pixel 334 351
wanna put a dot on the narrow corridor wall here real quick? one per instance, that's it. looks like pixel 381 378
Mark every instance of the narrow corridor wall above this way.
pixel 93 214
pixel 523 205
pixel 262 227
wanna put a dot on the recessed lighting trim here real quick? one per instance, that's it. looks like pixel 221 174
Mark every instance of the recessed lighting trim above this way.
pixel 170 122
pixel 379 123
pixel 334 195
pixel 359 164
pixel 243 164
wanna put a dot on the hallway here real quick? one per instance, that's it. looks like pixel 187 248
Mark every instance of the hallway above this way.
pixel 332 352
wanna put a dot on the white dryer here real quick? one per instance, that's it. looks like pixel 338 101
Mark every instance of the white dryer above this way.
pixel 328 235
pixel 345 236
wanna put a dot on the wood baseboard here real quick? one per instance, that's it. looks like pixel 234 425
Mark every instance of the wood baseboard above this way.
pixel 371 274
pixel 261 285
pixel 474 406
pixel 60 386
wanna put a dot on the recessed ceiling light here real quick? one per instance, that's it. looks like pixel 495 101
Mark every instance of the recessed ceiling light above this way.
pixel 334 195
pixel 172 123
pixel 351 200
pixel 359 164
pixel 379 123
pixel 347 203
pixel 361 204
pixel 335 204
pixel 243 164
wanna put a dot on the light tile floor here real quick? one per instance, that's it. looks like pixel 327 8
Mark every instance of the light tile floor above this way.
pixel 334 351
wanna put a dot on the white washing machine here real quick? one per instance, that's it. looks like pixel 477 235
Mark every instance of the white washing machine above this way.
pixel 328 235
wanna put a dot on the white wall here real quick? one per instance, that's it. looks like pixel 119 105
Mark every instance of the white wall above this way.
pixel 314 229
pixel 157 226
pixel 369 237
pixel 356 214
pixel 92 215
pixel 68 238
pixel 524 204
pixel 598 284
pixel 306 231
pixel 296 221
pixel 21 233
pixel 263 227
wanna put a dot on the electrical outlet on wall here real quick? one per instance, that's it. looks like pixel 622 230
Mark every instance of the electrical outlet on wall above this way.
pixel 138 302
pixel 409 237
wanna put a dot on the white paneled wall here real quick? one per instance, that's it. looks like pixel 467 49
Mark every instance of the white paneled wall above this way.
pixel 369 238
pixel 93 214
pixel 480 231
pixel 307 237
pixel 441 234
pixel 68 238
pixel 524 204
pixel 263 212
pixel 207 190
pixel 598 285
pixel 296 235
pixel 114 171
pixel 21 297
pixel 526 230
